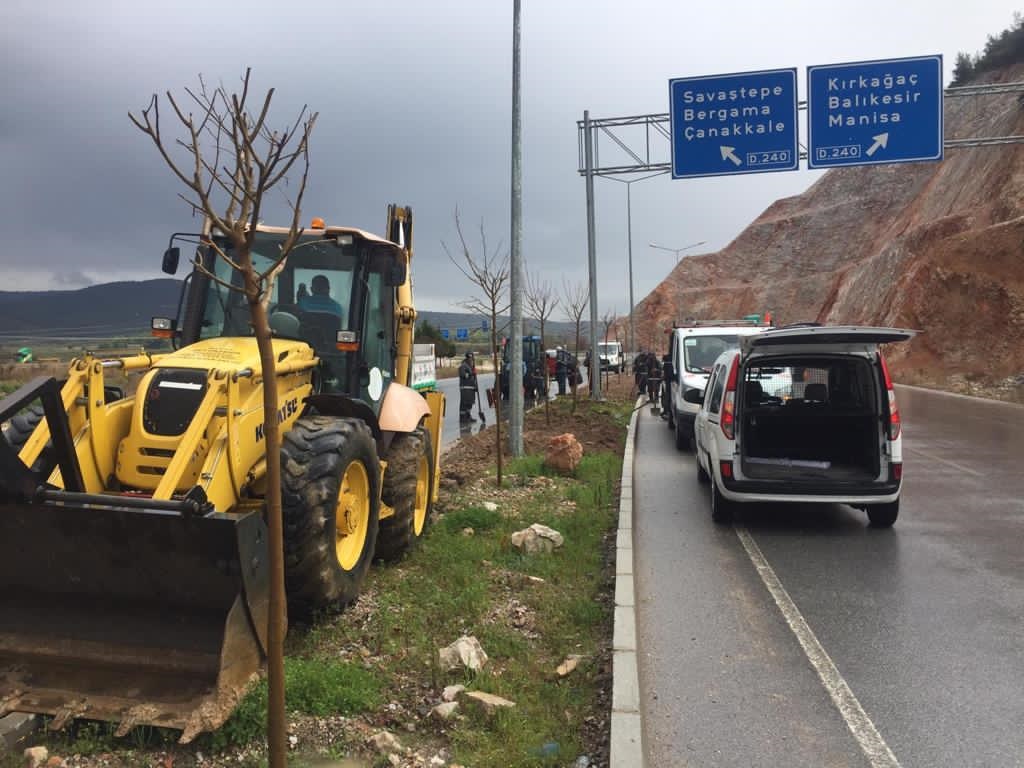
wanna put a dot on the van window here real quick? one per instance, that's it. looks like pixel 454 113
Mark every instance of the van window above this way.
pixel 717 387
pixel 839 382
pixel 700 352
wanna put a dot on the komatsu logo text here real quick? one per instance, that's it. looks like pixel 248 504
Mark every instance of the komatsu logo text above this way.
pixel 287 410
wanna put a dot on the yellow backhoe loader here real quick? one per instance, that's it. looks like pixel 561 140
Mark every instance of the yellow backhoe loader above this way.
pixel 133 545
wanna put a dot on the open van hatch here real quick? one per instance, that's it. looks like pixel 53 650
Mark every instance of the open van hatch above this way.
pixel 811 418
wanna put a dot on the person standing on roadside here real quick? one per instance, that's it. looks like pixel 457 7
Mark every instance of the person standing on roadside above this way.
pixel 561 370
pixel 467 387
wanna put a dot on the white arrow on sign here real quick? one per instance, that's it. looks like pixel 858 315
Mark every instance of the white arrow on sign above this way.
pixel 880 141
pixel 728 154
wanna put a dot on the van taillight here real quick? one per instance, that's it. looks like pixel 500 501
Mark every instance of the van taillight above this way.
pixel 893 424
pixel 728 420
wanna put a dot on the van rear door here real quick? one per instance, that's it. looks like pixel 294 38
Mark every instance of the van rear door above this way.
pixel 822 338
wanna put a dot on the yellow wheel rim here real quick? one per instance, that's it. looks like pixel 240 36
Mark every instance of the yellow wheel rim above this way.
pixel 419 513
pixel 352 515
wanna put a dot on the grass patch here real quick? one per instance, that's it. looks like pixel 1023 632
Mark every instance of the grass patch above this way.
pixel 478 584
pixel 312 687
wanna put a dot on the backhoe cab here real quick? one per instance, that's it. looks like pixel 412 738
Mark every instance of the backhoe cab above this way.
pixel 133 562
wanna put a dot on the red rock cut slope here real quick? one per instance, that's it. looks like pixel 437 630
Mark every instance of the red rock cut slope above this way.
pixel 933 246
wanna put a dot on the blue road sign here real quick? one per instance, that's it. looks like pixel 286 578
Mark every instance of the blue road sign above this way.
pixel 871 112
pixel 462 334
pixel 729 124
pixel 444 334
pixel 485 325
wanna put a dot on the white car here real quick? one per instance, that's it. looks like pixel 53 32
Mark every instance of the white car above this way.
pixel 692 352
pixel 803 414
pixel 609 353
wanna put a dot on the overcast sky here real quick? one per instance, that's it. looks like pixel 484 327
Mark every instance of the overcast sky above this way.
pixel 415 107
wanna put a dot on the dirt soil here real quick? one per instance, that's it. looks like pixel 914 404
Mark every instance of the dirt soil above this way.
pixel 474 454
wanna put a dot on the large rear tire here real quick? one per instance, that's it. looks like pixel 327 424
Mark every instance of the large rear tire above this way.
pixel 884 515
pixel 408 489
pixel 330 482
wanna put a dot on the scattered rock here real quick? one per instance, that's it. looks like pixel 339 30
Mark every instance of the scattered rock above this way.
pixel 537 538
pixel 567 666
pixel 386 743
pixel 466 651
pixel 488 702
pixel 582 762
pixel 446 710
pixel 468 532
pixel 451 692
pixel 490 506
pixel 35 756
pixel 563 453
pixel 293 742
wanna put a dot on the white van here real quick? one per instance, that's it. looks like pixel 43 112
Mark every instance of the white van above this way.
pixel 692 351
pixel 803 414
pixel 610 355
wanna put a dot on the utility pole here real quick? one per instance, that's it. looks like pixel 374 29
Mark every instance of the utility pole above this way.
pixel 515 368
pixel 595 361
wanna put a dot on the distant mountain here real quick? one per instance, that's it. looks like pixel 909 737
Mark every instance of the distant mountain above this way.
pixel 116 309
pixel 99 311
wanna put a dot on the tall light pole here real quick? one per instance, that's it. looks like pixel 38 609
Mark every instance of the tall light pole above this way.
pixel 515 377
pixel 677 251
pixel 629 248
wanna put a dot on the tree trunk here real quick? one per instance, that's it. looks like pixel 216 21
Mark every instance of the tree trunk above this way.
pixel 497 390
pixel 277 621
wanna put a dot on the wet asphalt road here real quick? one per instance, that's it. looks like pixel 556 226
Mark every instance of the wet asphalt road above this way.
pixel 924 622
pixel 453 429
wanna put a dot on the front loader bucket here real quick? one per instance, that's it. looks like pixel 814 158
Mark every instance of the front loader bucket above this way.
pixel 136 616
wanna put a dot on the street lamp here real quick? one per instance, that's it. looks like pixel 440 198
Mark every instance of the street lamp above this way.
pixel 629 247
pixel 677 251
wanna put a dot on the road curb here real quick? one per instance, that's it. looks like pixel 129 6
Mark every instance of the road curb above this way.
pixel 626 743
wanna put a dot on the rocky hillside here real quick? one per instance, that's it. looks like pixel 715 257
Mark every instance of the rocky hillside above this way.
pixel 933 246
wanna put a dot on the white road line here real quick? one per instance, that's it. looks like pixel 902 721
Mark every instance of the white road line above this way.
pixel 857 720
pixel 933 457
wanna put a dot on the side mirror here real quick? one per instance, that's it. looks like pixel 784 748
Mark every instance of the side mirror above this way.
pixel 694 396
pixel 395 274
pixel 171 258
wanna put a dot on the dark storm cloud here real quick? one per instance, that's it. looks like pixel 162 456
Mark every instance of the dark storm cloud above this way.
pixel 415 108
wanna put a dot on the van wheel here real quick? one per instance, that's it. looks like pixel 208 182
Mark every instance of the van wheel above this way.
pixel 330 479
pixel 682 435
pixel 884 515
pixel 721 507
pixel 702 475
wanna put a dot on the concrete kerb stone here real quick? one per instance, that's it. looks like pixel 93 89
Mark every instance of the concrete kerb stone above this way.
pixel 624 590
pixel 626 748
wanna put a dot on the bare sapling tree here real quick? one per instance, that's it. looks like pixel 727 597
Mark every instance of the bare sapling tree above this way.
pixel 490 272
pixel 222 148
pixel 541 303
pixel 575 297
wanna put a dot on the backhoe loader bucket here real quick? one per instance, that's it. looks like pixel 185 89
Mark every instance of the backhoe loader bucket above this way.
pixel 129 610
